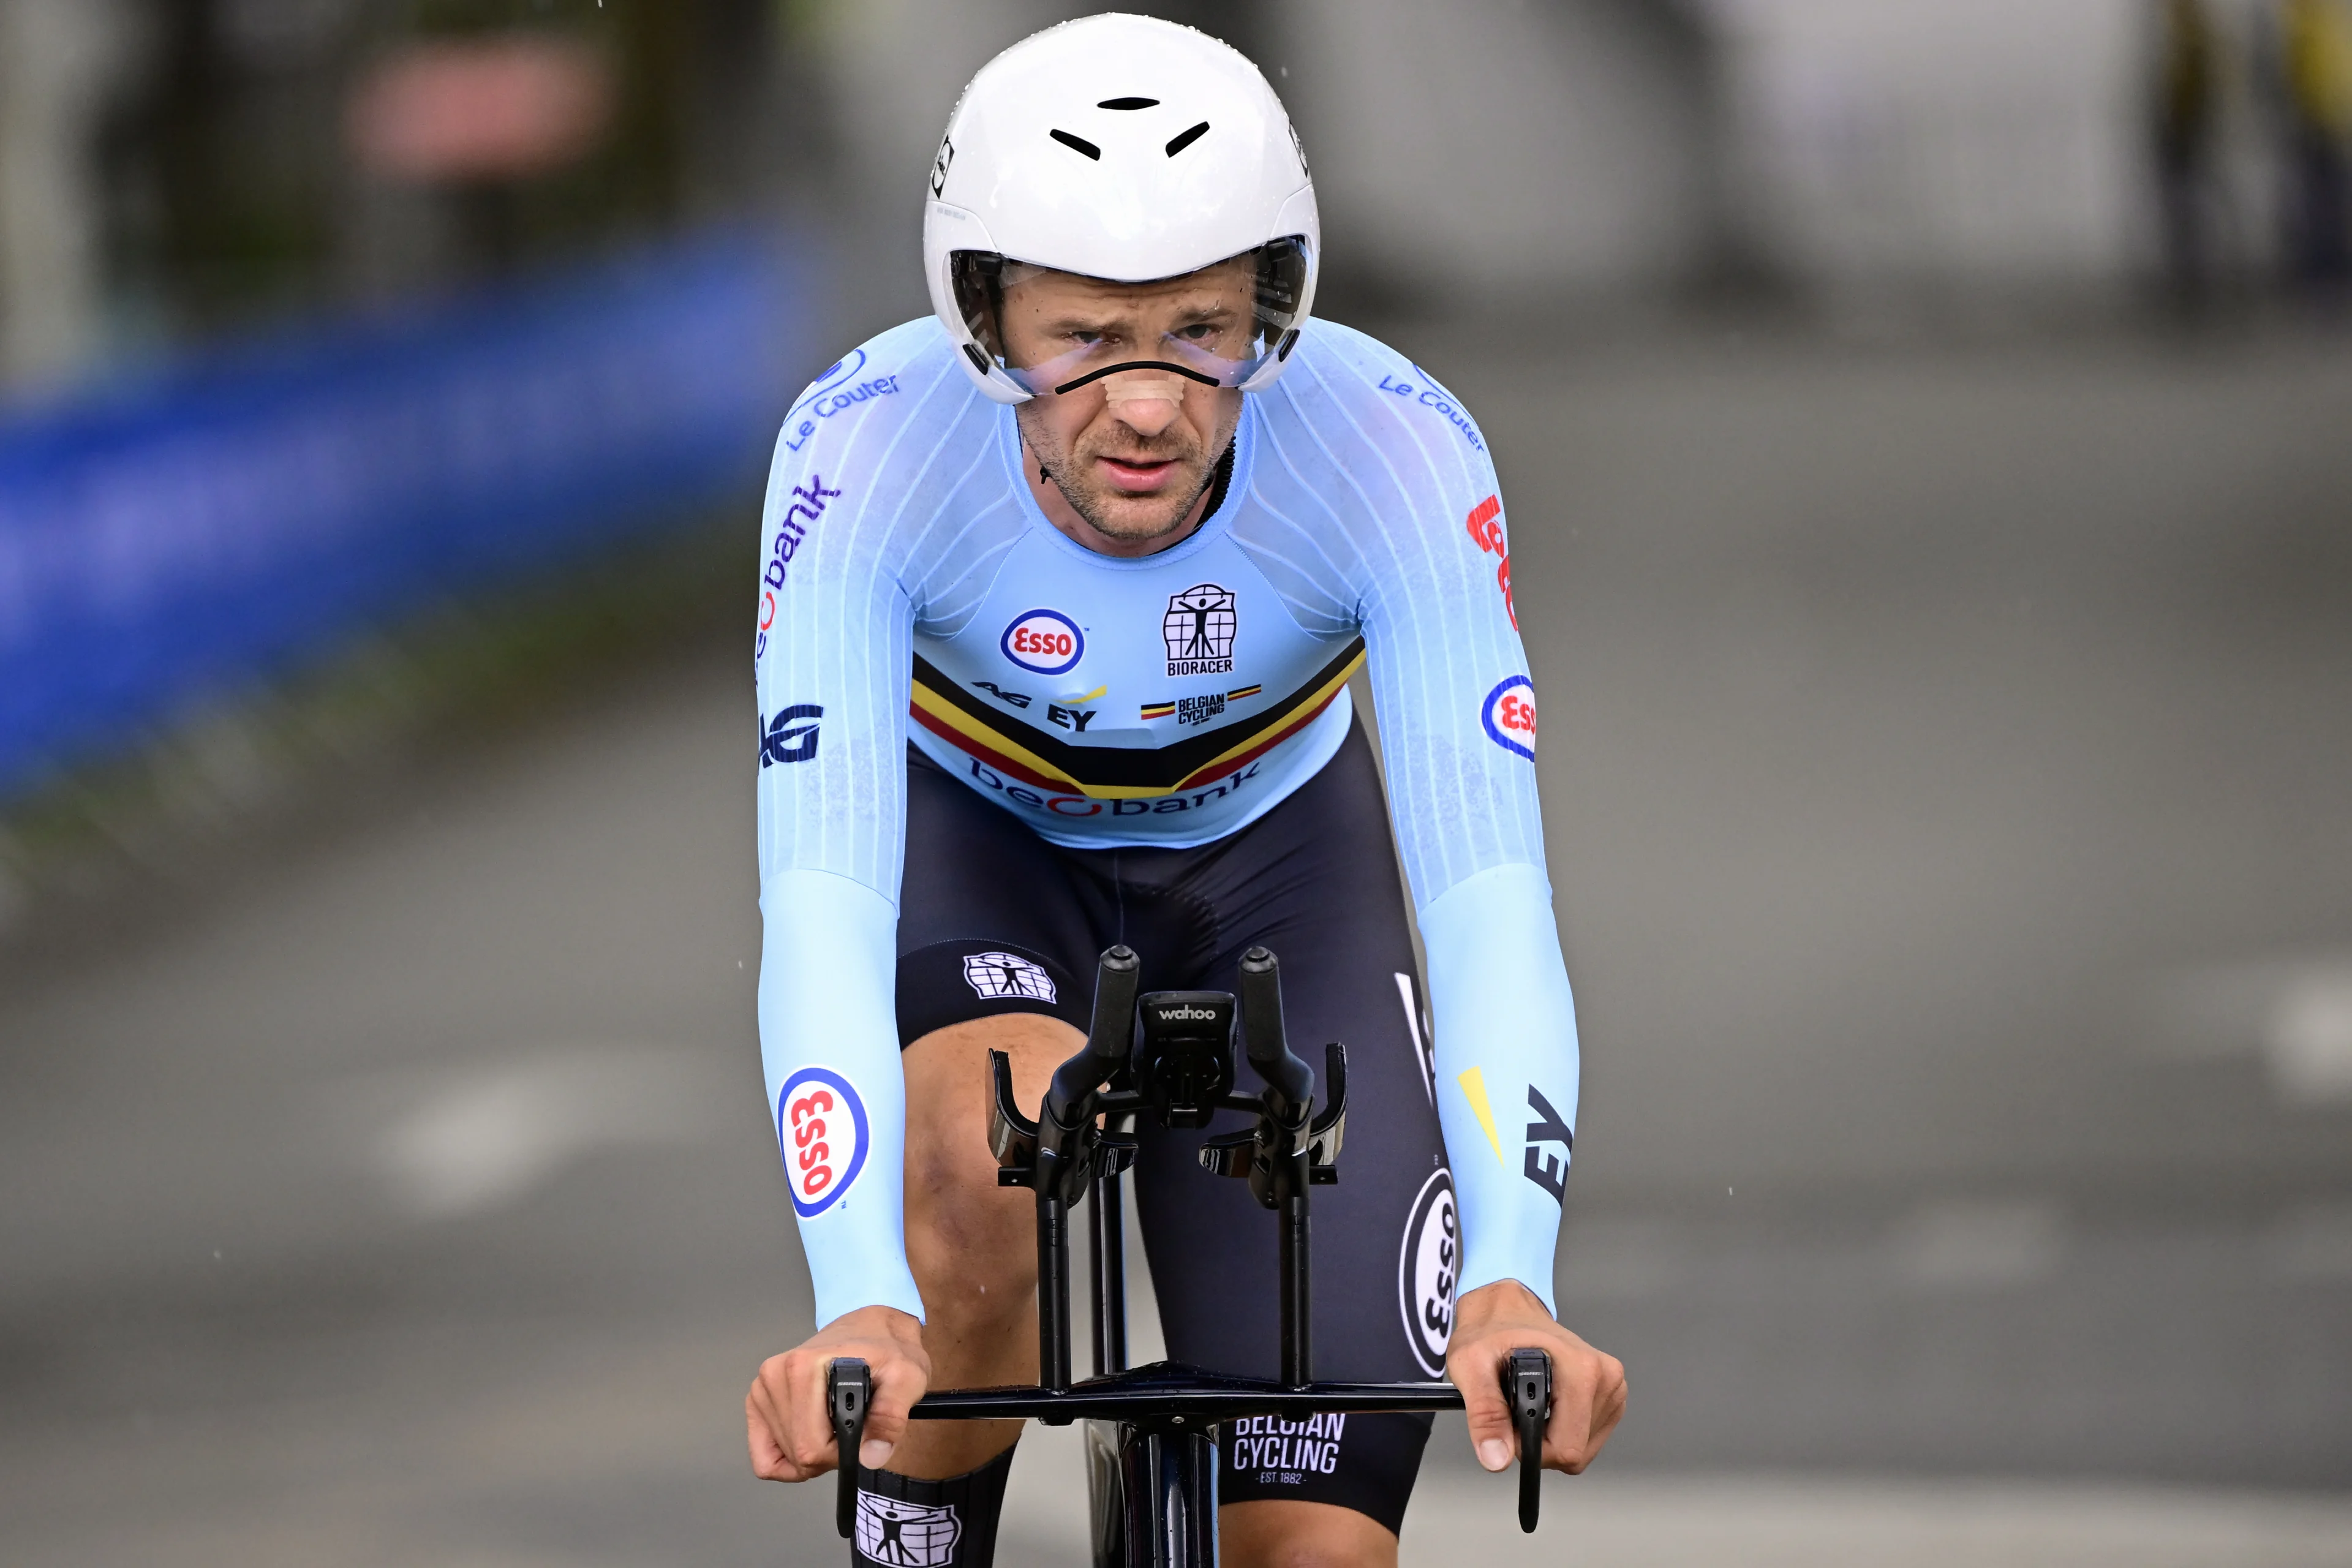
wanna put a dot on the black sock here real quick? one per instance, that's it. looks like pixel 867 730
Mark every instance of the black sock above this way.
pixel 906 1523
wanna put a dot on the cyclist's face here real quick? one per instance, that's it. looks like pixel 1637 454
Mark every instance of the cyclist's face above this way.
pixel 1134 450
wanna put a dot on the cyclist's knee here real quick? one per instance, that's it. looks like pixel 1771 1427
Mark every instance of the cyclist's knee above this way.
pixel 968 1240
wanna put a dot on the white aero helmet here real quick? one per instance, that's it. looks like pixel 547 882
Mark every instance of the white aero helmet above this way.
pixel 1129 150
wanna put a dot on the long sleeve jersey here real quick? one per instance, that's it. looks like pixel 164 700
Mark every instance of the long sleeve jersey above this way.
pixel 912 589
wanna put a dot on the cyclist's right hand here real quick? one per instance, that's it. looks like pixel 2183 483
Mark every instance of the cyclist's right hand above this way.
pixel 791 1423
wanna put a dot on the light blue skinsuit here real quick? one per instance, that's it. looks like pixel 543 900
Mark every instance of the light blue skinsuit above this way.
pixel 907 573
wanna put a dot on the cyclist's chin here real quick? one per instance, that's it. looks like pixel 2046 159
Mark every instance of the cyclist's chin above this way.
pixel 1126 515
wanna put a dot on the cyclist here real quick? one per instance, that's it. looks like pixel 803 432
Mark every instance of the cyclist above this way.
pixel 1114 529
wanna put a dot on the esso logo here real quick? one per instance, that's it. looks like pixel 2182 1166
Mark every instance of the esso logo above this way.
pixel 822 1130
pixel 1429 1267
pixel 1045 641
pixel 1510 716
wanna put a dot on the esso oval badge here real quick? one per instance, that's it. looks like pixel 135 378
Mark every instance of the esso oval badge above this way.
pixel 1510 716
pixel 822 1130
pixel 1045 641
pixel 1429 1267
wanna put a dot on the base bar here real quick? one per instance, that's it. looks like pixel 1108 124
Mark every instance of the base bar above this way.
pixel 1164 1391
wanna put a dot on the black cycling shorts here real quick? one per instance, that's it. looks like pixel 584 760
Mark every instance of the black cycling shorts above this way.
pixel 993 918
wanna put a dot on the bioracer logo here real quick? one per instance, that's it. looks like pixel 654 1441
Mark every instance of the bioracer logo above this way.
pixel 1199 629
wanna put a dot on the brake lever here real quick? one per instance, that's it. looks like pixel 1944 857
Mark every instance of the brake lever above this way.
pixel 849 1388
pixel 1527 1388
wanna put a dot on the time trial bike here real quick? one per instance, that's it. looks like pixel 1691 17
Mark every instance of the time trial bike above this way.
pixel 1152 1431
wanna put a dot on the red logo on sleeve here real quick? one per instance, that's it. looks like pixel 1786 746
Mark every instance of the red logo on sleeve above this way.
pixel 1485 526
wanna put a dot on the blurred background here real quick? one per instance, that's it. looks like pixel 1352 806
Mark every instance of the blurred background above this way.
pixel 1929 434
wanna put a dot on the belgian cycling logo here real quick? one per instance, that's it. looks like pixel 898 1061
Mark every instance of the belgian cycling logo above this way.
pixel 786 740
pixel 1509 715
pixel 1045 641
pixel 822 1130
pixel 1199 628
pixel 1429 1265
pixel 1285 1452
pixel 906 1534
pixel 999 976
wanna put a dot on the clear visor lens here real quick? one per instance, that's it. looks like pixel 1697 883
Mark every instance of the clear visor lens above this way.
pixel 1056 334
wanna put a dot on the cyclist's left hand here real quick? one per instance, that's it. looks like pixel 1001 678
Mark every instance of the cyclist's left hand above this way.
pixel 1587 1387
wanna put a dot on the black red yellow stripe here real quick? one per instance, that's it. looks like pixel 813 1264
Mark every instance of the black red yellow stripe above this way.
pixel 1046 760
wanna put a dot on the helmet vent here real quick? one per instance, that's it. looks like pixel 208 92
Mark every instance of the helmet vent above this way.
pixel 1081 144
pixel 1129 103
pixel 1185 139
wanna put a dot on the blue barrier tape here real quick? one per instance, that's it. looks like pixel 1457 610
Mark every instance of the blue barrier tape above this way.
pixel 242 514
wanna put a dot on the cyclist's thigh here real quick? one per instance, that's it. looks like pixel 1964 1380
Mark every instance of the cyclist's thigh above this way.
pixel 1316 882
pixel 990 923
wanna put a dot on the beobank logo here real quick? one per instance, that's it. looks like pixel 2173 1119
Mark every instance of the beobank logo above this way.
pixel 1510 715
pixel 1047 642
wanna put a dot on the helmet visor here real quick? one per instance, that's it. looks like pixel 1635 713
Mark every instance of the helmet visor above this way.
pixel 1054 333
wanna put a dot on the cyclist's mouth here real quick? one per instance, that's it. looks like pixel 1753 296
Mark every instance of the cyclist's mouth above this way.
pixel 1137 475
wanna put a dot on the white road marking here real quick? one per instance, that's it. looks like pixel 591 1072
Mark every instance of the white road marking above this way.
pixel 489 1136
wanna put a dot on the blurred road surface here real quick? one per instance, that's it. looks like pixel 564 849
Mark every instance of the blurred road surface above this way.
pixel 1945 771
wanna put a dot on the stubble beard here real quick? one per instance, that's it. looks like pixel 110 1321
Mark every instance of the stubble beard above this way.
pixel 1144 520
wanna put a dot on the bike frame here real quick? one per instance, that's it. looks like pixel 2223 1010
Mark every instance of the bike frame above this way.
pixel 1152 1451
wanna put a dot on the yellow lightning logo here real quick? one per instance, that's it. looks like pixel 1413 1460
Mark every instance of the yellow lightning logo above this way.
pixel 1473 1089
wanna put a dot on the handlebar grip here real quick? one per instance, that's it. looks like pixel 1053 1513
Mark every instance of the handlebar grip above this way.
pixel 1116 975
pixel 1290 1082
pixel 1069 1097
pixel 849 1388
pixel 1527 1388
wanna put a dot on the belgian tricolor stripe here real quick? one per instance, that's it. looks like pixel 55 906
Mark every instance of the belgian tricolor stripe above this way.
pixel 1245 692
pixel 1046 760
pixel 1157 709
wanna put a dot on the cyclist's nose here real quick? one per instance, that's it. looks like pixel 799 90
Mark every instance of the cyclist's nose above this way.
pixel 1145 403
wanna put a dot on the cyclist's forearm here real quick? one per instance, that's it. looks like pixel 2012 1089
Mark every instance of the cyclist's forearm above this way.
pixel 836 1094
pixel 1506 1070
